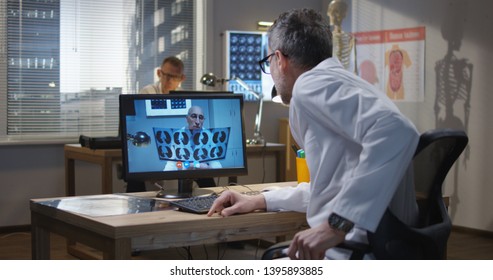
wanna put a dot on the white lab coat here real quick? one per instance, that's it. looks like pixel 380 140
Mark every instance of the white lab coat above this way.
pixel 358 149
pixel 151 89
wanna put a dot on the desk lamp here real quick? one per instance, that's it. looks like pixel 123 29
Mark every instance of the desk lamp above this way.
pixel 139 139
pixel 210 79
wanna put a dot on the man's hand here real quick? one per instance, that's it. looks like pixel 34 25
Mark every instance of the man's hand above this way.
pixel 230 203
pixel 312 243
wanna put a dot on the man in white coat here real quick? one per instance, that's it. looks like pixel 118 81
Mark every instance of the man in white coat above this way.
pixel 358 145
pixel 171 75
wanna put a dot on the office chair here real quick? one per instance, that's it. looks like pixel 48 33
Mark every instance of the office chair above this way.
pixel 436 153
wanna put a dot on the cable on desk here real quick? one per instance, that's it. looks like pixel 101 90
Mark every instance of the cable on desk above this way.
pixel 14 234
pixel 206 252
pixel 189 252
pixel 219 250
pixel 218 193
pixel 249 192
pixel 256 249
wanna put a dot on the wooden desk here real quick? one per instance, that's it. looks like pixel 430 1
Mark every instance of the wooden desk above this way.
pixel 106 157
pixel 117 235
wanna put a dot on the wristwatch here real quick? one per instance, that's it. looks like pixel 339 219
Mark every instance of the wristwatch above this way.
pixel 339 223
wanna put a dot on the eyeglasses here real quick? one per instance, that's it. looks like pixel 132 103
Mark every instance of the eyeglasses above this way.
pixel 194 116
pixel 172 77
pixel 265 64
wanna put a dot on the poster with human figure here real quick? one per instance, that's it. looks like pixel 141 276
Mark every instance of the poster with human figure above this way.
pixel 393 61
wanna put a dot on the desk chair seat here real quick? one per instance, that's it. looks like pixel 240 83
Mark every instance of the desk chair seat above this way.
pixel 436 153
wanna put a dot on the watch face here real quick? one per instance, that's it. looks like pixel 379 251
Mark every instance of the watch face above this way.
pixel 339 223
pixel 334 220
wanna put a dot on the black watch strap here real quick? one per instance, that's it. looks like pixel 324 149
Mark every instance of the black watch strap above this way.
pixel 339 223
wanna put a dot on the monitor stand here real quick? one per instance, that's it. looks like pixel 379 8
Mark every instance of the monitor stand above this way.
pixel 185 190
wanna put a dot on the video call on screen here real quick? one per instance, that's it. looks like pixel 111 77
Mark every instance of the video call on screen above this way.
pixel 159 137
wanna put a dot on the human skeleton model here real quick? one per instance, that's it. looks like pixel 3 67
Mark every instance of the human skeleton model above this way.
pixel 343 43
pixel 453 83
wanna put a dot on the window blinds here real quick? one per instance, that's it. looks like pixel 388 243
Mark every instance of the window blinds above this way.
pixel 65 62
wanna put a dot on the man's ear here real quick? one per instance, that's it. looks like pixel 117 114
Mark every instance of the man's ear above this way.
pixel 183 77
pixel 281 60
pixel 158 72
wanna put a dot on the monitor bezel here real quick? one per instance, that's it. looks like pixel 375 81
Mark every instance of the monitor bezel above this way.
pixel 179 174
pixel 200 92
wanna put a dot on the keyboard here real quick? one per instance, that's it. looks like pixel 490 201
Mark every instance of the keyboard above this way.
pixel 196 204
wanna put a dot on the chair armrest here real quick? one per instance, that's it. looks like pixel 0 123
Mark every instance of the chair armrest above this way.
pixel 277 250
pixel 358 249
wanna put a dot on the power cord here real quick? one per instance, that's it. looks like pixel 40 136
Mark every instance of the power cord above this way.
pixel 249 192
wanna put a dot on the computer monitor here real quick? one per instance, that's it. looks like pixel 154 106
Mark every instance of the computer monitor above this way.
pixel 182 136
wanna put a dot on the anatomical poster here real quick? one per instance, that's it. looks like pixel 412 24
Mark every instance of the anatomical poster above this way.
pixel 393 61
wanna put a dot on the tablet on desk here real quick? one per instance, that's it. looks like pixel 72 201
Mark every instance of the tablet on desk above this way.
pixel 108 205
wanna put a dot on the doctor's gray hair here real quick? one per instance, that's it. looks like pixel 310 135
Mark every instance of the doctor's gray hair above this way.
pixel 303 35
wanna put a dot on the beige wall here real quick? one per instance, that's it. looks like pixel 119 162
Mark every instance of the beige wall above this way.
pixel 468 24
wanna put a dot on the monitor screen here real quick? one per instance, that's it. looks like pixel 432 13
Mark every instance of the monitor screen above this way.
pixel 182 136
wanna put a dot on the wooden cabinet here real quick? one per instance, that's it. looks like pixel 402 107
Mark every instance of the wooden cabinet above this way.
pixel 286 138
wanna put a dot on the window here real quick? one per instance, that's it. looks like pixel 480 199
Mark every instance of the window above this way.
pixel 65 62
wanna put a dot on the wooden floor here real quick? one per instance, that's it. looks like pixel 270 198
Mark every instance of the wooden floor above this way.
pixel 462 245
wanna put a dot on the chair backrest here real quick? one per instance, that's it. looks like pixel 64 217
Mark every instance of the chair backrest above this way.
pixel 435 155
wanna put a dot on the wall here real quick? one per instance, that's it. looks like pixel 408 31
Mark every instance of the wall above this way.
pixel 458 33
pixel 25 172
pixel 38 171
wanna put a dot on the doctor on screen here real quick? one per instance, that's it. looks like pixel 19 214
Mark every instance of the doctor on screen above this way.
pixel 195 121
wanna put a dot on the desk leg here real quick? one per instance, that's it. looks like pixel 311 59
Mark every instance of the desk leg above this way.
pixel 40 241
pixel 119 249
pixel 107 176
pixel 69 184
pixel 281 166
pixel 69 176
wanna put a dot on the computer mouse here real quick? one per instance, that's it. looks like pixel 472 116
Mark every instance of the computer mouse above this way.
pixel 270 188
